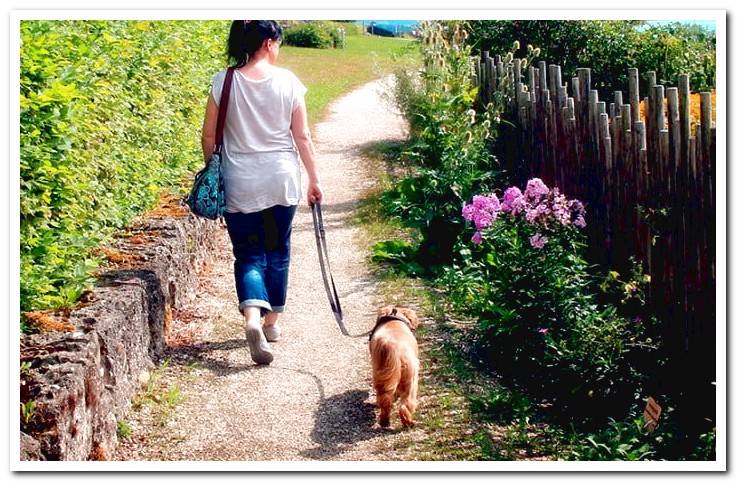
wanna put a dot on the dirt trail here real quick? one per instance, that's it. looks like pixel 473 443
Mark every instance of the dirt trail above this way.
pixel 315 401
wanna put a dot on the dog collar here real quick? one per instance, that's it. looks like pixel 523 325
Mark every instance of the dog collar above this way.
pixel 387 318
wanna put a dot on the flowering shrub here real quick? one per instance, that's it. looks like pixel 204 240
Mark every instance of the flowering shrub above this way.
pixel 530 244
pixel 450 139
pixel 525 279
pixel 543 210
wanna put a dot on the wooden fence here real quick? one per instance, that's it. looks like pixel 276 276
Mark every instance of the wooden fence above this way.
pixel 647 182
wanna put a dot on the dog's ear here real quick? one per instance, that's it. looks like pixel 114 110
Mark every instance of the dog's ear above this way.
pixel 385 311
pixel 411 316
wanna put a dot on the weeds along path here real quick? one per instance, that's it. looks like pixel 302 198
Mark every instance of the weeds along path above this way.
pixel 315 401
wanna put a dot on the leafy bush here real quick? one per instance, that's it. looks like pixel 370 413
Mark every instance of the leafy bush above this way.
pixel 110 113
pixel 628 439
pixel 531 289
pixel 706 448
pixel 400 254
pixel 609 48
pixel 449 140
pixel 314 34
pixel 625 440
pixel 501 405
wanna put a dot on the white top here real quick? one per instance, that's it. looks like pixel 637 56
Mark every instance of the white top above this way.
pixel 260 161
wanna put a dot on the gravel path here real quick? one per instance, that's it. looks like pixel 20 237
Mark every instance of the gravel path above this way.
pixel 315 401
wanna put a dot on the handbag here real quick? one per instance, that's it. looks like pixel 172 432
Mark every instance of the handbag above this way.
pixel 207 197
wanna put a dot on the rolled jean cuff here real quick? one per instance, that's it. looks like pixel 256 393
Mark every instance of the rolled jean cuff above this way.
pixel 277 309
pixel 255 302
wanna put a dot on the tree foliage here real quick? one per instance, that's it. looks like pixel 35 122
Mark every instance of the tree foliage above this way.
pixel 609 48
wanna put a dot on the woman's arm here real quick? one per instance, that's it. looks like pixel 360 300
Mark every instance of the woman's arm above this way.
pixel 303 139
pixel 209 127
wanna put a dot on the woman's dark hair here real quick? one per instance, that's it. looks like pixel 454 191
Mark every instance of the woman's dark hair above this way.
pixel 247 36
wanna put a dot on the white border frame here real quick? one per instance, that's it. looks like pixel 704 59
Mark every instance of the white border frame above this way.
pixel 716 15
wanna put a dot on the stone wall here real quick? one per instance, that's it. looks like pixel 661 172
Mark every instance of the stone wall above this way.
pixel 82 381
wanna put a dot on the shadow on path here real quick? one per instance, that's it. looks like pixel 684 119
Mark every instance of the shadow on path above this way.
pixel 341 421
pixel 201 355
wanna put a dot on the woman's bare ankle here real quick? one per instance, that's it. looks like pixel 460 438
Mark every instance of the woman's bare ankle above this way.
pixel 252 315
pixel 271 318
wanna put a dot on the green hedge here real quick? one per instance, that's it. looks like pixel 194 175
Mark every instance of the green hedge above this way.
pixel 314 34
pixel 111 113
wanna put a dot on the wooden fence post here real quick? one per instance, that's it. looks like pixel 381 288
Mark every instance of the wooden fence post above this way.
pixel 683 186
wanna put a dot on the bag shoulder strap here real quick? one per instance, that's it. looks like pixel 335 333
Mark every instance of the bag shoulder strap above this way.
pixel 223 110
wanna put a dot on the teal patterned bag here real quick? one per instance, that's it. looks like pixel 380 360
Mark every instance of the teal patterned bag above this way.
pixel 207 197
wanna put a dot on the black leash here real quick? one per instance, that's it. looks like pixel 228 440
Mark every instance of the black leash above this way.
pixel 322 253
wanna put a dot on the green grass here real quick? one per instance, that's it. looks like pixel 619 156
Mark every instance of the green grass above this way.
pixel 27 410
pixel 159 394
pixel 330 73
pixel 124 429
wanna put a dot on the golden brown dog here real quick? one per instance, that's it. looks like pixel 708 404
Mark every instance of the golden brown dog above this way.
pixel 395 362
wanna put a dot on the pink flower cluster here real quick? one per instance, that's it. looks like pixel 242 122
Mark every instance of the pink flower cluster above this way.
pixel 538 241
pixel 539 205
pixel 483 211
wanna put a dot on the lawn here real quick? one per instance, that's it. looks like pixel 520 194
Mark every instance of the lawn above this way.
pixel 330 73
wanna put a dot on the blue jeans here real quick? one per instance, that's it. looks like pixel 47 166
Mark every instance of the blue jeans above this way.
pixel 261 248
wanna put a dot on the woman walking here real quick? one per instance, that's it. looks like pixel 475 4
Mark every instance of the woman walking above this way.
pixel 265 120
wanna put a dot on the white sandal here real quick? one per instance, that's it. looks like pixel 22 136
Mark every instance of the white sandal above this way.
pixel 260 351
pixel 272 332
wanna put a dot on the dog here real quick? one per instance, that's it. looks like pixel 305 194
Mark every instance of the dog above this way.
pixel 395 362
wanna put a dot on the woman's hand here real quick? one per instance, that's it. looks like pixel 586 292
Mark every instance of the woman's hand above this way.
pixel 314 193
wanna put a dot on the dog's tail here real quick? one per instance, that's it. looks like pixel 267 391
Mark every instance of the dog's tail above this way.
pixel 387 367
